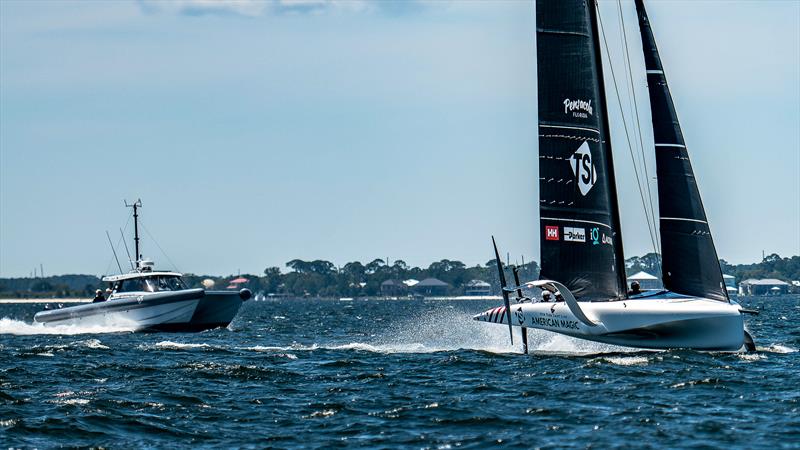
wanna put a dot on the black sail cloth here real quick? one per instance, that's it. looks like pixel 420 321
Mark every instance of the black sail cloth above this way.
pixel 581 243
pixel 689 259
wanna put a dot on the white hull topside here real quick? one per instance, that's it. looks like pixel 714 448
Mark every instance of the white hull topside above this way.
pixel 189 310
pixel 652 323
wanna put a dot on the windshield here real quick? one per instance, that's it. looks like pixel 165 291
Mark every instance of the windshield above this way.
pixel 158 283
pixel 164 283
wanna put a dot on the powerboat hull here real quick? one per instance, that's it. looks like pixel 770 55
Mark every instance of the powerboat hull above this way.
pixel 185 310
pixel 216 309
pixel 662 322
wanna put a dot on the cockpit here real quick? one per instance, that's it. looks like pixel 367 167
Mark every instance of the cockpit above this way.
pixel 155 283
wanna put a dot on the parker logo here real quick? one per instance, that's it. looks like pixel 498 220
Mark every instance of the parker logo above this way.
pixel 583 168
pixel 551 233
pixel 578 108
pixel 575 234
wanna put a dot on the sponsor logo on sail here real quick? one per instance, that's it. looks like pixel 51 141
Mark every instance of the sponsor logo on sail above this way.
pixel 594 234
pixel 606 239
pixel 583 168
pixel 551 233
pixel 575 234
pixel 578 108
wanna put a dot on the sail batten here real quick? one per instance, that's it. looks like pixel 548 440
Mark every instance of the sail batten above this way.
pixel 580 234
pixel 689 259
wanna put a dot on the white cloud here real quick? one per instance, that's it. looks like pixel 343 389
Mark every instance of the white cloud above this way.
pixel 247 8
pixel 255 8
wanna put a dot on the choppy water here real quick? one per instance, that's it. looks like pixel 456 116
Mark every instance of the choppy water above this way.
pixel 321 374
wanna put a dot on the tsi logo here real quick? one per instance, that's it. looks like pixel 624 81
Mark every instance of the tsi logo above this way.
pixel 583 168
pixel 575 234
pixel 551 233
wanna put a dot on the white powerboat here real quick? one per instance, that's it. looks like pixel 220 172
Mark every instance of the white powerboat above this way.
pixel 582 261
pixel 149 300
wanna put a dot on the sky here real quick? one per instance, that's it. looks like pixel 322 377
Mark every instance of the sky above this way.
pixel 260 132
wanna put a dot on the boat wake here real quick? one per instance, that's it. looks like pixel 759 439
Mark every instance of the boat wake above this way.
pixel 21 328
pixel 451 330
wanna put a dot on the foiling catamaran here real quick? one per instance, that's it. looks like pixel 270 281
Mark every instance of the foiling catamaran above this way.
pixel 150 300
pixel 582 261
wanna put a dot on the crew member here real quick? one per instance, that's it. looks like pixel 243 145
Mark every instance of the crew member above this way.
pixel 547 296
pixel 98 296
pixel 635 290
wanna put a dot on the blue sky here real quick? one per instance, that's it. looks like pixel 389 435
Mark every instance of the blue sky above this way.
pixel 259 132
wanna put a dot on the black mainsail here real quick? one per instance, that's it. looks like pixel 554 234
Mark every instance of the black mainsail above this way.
pixel 689 260
pixel 581 243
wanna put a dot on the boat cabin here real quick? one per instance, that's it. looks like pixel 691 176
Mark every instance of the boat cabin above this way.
pixel 146 282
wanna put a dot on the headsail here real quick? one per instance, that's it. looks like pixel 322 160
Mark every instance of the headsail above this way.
pixel 580 233
pixel 689 260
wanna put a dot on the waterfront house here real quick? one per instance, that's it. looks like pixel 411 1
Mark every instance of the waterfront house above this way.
pixel 431 287
pixel 646 281
pixel 477 288
pixel 393 288
pixel 766 286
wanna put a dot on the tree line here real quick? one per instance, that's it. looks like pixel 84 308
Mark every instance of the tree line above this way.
pixel 319 278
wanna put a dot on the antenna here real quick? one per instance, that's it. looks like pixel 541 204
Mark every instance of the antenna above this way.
pixel 136 205
pixel 114 251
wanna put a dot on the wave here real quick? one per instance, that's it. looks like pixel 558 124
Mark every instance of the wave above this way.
pixel 19 327
pixel 627 360
pixel 170 345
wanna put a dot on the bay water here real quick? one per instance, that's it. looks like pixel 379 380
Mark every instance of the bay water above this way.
pixel 390 374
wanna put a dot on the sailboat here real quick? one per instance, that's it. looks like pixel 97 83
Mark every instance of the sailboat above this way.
pixel 582 260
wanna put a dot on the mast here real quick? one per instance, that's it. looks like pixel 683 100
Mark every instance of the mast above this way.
pixel 136 205
pixel 690 264
pixel 580 233
pixel 619 254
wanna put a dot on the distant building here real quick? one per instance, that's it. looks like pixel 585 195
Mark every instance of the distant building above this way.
pixel 393 288
pixel 237 283
pixel 767 286
pixel 730 280
pixel 730 285
pixel 431 287
pixel 646 281
pixel 410 282
pixel 477 288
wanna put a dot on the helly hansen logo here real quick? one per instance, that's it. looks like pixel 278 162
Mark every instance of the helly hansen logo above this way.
pixel 551 233
pixel 583 168
pixel 575 234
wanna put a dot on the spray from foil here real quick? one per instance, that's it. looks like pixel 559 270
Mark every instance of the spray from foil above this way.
pixel 20 328
pixel 449 329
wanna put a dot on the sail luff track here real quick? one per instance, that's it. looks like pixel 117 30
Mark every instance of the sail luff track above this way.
pixel 689 259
